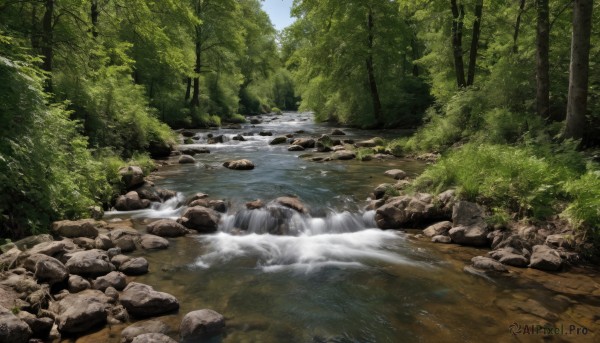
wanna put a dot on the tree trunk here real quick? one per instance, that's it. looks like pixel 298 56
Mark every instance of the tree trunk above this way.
pixel 457 27
pixel 518 26
pixel 195 102
pixel 542 59
pixel 415 56
pixel 475 43
pixel 371 72
pixel 47 43
pixel 579 69
pixel 94 16
pixel 188 89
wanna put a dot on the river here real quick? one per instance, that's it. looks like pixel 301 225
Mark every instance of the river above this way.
pixel 337 278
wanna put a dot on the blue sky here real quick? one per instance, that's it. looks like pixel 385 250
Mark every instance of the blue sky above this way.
pixel 279 11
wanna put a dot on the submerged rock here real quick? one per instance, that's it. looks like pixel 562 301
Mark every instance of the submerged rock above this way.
pixel 337 132
pixel 440 228
pixel 293 203
pixel 144 327
pixel 488 264
pixel 396 174
pixel 166 228
pixel 186 159
pixel 134 266
pixel 278 140
pixel 201 324
pixel 142 300
pixel 152 242
pixel 153 338
pixel 239 165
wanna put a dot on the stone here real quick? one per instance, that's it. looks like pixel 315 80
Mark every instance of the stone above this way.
pixel 324 144
pixel 265 133
pixel 142 300
pixel 560 240
pixel 131 202
pixel 380 191
pixel 143 327
pixel 466 213
pixel 195 197
pixel 85 243
pixel 77 228
pixel 40 327
pixel 78 313
pixel 239 137
pixel 53 248
pixel 13 329
pixel 131 176
pixel 469 235
pixel 153 338
pixel 89 262
pixel 201 324
pixel 187 133
pixel 510 257
pixel 166 228
pixel 118 260
pixel 9 259
pixel 407 211
pixel 370 143
pixel 28 242
pixel 295 148
pixel 217 205
pixel 337 132
pixel 239 165
pixel 396 174
pixel 50 270
pixel 117 314
pixel 201 219
pixel 278 140
pixel 488 264
pixel 343 155
pixel 255 205
pixel 293 203
pixel 117 280
pixel 134 266
pixel 152 242
pixel 103 242
pixel 155 194
pixel 441 239
pixel 124 238
pixel 545 258
pixel 440 228
pixel 77 284
pixel 191 151
pixel 112 294
pixel 186 159
pixel 306 143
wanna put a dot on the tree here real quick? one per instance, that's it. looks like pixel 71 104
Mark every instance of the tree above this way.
pixel 457 49
pixel 579 69
pixel 542 59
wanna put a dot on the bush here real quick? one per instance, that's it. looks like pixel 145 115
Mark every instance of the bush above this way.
pixel 584 209
pixel 364 153
pixel 236 119
pixel 276 111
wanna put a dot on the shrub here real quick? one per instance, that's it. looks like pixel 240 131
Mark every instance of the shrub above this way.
pixel 236 119
pixel 584 209
pixel 364 153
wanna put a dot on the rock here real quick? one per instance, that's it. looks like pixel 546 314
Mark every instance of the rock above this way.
pixel 159 149
pixel 155 194
pixel 40 327
pixel 85 243
pixel 324 144
pixel 306 143
pixel 78 313
pixel 560 240
pixel 265 133
pixel 144 327
pixel 466 213
pixel 89 262
pixel 166 228
pixel 447 198
pixel 255 205
pixel 380 191
pixel 215 139
pixel 112 294
pixel 54 248
pixel 186 159
pixel 296 148
pixel 143 301
pixel 153 338
pixel 488 264
pixel 344 155
pixel 510 257
pixel 201 219
pixel 469 235
pixel 440 228
pixel 112 252
pixel 117 280
pixel 201 324
pixel 78 284
pixel 371 143
pixel 255 121
pixel 545 258
pixel 103 242
pixel 132 176
pixel 131 202
pixel 293 203
pixel 9 259
pixel 78 228
pixel 195 197
pixel 535 308
pixel 239 137
pixel 278 140
pixel 187 133
pixel 441 239
pixel 124 238
pixel 337 132
pixel 217 205
pixel 239 165
pixel 396 174
pixel 152 242
pixel 50 270
pixel 403 211
pixel 134 266
pixel 191 151
pixel 28 242
pixel 12 329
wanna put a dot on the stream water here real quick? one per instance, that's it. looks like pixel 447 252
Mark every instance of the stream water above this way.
pixel 336 278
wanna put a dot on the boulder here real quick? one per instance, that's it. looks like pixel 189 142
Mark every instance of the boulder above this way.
pixel 27 242
pixel 396 174
pixel 370 143
pixel 159 149
pixel 201 219
pixel 407 211
pixel 131 202
pixel 201 324
pixel 217 205
pixel 187 133
pixel 50 270
pixel 77 284
pixel 134 266
pixel 265 133
pixel 239 165
pixel 295 148
pixel 9 259
pixel 132 176
pixel 186 159
pixel 166 228
pixel 143 301
pixel 124 238
pixel 239 137
pixel 119 259
pixel 470 227
pixel 155 194
pixel 117 314
pixel 12 329
pixel 441 239
pixel 380 191
pixel 143 327
pixel 560 240
pixel 278 140
pixel 255 121
pixel 152 242
pixel 466 213
pixel 337 132
pixel 40 327
pixel 293 203
pixel 191 151
pixel 215 139
pixel 195 197
pixel 306 143
pixel 545 258
pixel 89 262
pixel 488 264
pixel 77 228
pixel 324 144
pixel 255 205
pixel 53 248
pixel 440 228
pixel 153 338
pixel 103 242
pixel 78 313
pixel 85 243
pixel 343 155
pixel 469 235
pixel 117 280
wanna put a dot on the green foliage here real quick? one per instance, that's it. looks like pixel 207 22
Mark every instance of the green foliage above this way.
pixel 235 119
pixel 584 209
pixel 517 179
pixel 363 154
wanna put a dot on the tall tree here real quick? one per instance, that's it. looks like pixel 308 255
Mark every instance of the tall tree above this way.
pixel 370 69
pixel 475 42
pixel 48 42
pixel 579 69
pixel 542 59
pixel 458 12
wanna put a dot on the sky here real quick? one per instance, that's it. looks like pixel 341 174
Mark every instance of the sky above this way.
pixel 279 11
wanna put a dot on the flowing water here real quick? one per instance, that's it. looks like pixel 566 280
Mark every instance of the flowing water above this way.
pixel 335 277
